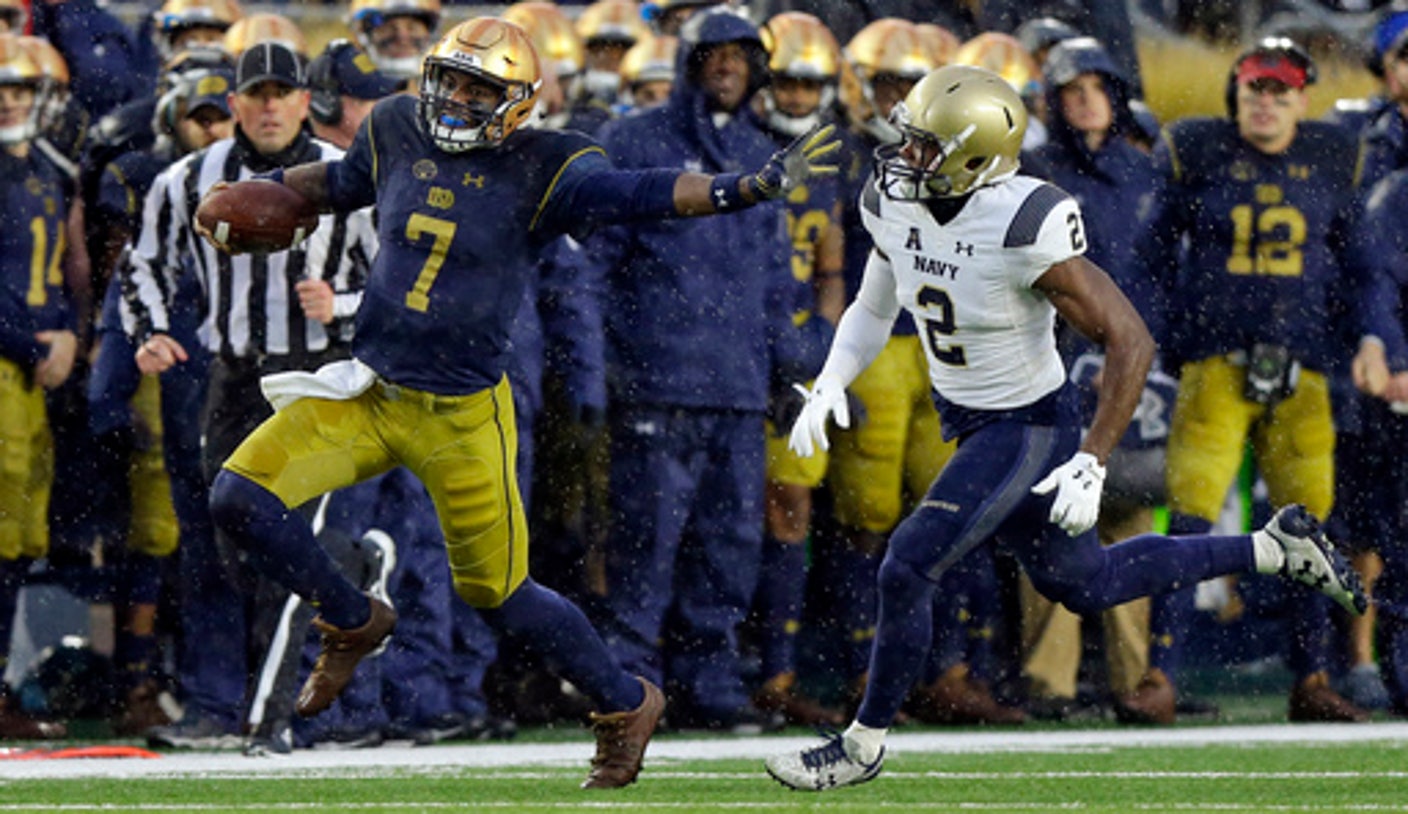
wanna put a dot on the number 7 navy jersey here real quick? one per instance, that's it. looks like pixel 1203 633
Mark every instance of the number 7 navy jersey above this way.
pixel 459 234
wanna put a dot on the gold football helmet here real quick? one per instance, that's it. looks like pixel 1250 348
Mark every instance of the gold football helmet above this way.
pixel 553 37
pixel 942 43
pixel 491 50
pixel 364 17
pixel 17 67
pixel 963 128
pixel 799 46
pixel 14 14
pixel 1004 55
pixel 889 50
pixel 257 28
pixel 612 21
pixel 53 86
pixel 650 60
pixel 176 17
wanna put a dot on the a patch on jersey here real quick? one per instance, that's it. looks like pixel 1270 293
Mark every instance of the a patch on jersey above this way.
pixel 1241 171
pixel 1026 224
pixel 870 197
pixel 912 243
pixel 424 169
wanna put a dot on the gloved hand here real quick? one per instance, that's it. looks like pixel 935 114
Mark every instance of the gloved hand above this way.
pixel 825 399
pixel 796 164
pixel 1078 483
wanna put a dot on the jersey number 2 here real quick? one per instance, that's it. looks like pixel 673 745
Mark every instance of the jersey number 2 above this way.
pixel 941 328
pixel 418 298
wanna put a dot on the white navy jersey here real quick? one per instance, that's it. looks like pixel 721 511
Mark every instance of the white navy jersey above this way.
pixel 251 305
pixel 988 335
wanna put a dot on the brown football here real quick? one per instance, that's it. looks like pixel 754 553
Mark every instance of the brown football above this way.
pixel 257 215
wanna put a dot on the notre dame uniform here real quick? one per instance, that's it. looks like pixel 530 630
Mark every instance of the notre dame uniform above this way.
pixel 1263 236
pixel 459 234
pixel 34 203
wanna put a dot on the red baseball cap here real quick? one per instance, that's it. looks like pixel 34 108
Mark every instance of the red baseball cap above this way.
pixel 1271 66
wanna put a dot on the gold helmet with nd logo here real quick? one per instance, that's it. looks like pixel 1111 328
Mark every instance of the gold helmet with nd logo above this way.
pixel 805 61
pixel 257 28
pixel 21 79
pixel 886 57
pixel 481 53
pixel 182 24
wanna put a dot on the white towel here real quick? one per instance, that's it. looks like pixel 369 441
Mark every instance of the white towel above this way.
pixel 337 381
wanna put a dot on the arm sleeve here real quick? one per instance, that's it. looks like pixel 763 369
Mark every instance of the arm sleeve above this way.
pixel 588 192
pixel 1382 246
pixel 865 326
pixel 149 275
pixel 352 179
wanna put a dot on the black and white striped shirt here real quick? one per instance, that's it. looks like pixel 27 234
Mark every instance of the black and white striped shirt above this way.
pixel 251 306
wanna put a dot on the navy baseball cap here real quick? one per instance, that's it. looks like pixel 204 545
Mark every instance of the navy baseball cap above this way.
pixel 212 89
pixel 269 62
pixel 353 73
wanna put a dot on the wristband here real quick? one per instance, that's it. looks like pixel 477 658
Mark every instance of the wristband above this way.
pixel 724 194
pixel 277 176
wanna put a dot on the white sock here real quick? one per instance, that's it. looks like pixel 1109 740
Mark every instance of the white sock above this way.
pixel 864 744
pixel 1270 556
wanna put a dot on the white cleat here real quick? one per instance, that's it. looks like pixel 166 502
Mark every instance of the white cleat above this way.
pixel 1311 559
pixel 822 768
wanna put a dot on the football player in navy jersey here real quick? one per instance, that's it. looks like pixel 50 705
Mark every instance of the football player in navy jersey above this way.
pixel 466 198
pixel 984 259
pixel 37 345
pixel 1263 201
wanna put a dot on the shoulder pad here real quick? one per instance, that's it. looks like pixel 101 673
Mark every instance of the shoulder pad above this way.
pixel 1026 224
pixel 870 196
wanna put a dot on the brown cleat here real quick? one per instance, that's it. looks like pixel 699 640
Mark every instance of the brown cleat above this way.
pixel 779 694
pixel 957 699
pixel 621 738
pixel 1152 702
pixel 338 658
pixel 17 726
pixel 1312 700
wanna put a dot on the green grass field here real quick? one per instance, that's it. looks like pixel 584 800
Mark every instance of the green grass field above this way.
pixel 1257 768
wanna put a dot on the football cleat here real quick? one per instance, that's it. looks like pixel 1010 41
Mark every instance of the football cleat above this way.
pixel 1311 559
pixel 831 765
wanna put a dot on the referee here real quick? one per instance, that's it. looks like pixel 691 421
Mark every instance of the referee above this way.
pixel 265 313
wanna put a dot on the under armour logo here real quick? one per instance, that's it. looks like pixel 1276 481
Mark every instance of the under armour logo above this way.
pixel 963 248
pixel 477 180
pixel 719 199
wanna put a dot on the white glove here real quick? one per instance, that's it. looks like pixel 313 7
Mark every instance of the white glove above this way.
pixel 825 399
pixel 1078 483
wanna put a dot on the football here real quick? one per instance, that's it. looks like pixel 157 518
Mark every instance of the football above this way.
pixel 257 215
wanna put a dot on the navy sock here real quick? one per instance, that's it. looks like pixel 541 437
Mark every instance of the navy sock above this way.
pixel 901 641
pixel 568 644
pixel 781 582
pixel 139 577
pixel 281 546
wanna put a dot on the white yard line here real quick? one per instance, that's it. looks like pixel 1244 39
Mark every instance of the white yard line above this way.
pixel 401 759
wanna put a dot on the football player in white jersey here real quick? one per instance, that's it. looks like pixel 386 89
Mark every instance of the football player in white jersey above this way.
pixel 985 260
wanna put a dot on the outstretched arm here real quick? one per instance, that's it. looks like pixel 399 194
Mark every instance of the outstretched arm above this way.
pixel 808 156
pixel 1091 302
